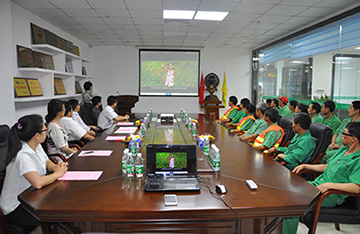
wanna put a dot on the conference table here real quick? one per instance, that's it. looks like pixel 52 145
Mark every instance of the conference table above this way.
pixel 115 203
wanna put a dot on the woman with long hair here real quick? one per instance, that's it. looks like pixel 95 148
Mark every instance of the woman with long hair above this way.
pixel 27 165
pixel 57 141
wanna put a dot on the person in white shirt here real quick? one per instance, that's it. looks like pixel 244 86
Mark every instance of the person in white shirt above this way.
pixel 108 116
pixel 27 165
pixel 75 116
pixel 74 130
pixel 57 136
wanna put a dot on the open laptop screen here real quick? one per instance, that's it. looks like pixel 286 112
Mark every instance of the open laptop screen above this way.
pixel 171 159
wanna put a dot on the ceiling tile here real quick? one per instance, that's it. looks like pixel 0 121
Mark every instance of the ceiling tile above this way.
pixel 261 25
pixel 300 2
pixel 90 21
pixel 217 6
pixel 147 13
pixel 205 23
pixel 70 4
pixel 47 13
pixel 34 4
pixel 201 29
pixel 253 8
pixel 286 10
pixel 113 13
pixel 316 12
pixel 299 20
pixel 146 21
pixel 242 17
pixel 273 18
pixel 78 13
pixel 108 4
pixel 113 21
pixel 149 27
pixel 235 24
pixel 144 4
pixel 181 5
pixel 336 3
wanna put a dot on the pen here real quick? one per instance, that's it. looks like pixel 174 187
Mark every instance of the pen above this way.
pixel 89 152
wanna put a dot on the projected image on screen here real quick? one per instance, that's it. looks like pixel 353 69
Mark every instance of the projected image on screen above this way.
pixel 172 73
pixel 171 160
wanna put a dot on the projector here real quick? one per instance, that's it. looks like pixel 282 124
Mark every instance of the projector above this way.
pixel 167 118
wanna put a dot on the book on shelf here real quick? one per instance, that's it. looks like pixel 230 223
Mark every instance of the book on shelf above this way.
pixel 78 87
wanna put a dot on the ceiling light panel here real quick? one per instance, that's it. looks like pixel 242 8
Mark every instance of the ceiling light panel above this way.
pixel 71 4
pixel 210 15
pixel 175 14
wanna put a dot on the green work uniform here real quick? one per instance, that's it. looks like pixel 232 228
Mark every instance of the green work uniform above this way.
pixel 258 127
pixel 340 169
pixel 232 114
pixel 334 122
pixel 271 138
pixel 285 111
pixel 317 119
pixel 299 150
pixel 239 115
pixel 248 123
pixel 293 115
pixel 339 130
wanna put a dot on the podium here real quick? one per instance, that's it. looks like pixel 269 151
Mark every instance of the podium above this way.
pixel 125 103
pixel 212 108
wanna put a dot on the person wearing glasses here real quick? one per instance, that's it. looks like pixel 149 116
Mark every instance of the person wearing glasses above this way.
pixel 27 165
pixel 354 114
pixel 342 173
pixel 57 137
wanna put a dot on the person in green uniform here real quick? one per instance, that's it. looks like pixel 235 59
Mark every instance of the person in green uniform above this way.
pixel 230 113
pixel 354 114
pixel 301 107
pixel 314 111
pixel 239 115
pixel 271 136
pixel 246 122
pixel 330 118
pixel 342 173
pixel 268 102
pixel 301 146
pixel 275 103
pixel 283 108
pixel 258 126
pixel 292 106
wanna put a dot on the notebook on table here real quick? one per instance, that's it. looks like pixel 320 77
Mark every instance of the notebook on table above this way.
pixel 171 168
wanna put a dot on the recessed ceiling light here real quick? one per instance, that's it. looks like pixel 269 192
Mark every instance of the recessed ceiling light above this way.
pixel 357 48
pixel 343 58
pixel 296 61
pixel 211 15
pixel 173 14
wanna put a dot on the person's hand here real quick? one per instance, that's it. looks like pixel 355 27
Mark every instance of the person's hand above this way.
pixel 227 125
pixel 127 116
pixel 335 147
pixel 94 127
pixel 272 150
pixel 74 149
pixel 299 168
pixel 91 132
pixel 324 187
pixel 60 169
pixel 331 146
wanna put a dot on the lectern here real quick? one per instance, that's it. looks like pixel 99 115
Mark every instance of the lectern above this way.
pixel 212 104
pixel 125 103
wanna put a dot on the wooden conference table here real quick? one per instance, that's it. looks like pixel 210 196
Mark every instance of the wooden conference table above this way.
pixel 117 204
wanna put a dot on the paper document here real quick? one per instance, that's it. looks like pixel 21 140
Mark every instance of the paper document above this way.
pixel 87 153
pixel 81 175
pixel 125 124
pixel 115 138
pixel 126 130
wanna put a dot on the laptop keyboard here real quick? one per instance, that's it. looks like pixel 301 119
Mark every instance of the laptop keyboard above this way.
pixel 163 184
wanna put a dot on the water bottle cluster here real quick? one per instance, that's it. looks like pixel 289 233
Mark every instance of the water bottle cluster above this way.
pixel 188 122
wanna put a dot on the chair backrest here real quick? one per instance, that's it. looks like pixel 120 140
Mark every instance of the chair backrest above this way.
pixel 84 113
pixel 4 133
pixel 286 124
pixel 322 135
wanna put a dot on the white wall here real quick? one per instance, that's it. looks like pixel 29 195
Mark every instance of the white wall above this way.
pixel 322 74
pixel 20 34
pixel 6 88
pixel 116 69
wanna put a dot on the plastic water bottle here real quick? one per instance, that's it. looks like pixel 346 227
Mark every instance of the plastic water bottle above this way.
pixel 139 166
pixel 146 123
pixel 215 158
pixel 201 142
pixel 189 124
pixel 181 113
pixel 184 115
pixel 142 130
pixel 206 146
pixel 123 161
pixel 151 112
pixel 138 144
pixel 130 165
pixel 186 118
pixel 133 149
pixel 193 129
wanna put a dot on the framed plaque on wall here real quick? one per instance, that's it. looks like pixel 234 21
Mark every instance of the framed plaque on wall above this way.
pixel 21 88
pixel 34 86
pixel 59 87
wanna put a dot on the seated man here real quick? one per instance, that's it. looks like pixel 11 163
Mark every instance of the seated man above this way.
pixel 330 118
pixel 301 146
pixel 108 116
pixel 268 102
pixel 273 135
pixel 292 106
pixel 230 113
pixel 258 126
pixel 96 109
pixel 314 111
pixel 239 115
pixel 73 128
pixel 354 114
pixel 275 103
pixel 283 108
pixel 246 122
pixel 301 108
pixel 75 106
pixel 342 173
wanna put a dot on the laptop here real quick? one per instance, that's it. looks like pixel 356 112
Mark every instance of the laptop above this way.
pixel 171 168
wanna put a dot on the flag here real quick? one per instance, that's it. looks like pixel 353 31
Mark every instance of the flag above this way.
pixel 201 90
pixel 224 90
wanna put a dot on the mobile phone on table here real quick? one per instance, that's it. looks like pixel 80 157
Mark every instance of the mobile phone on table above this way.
pixel 170 200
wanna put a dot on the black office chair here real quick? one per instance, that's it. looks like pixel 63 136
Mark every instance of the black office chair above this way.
pixel 322 135
pixel 84 113
pixel 348 212
pixel 4 132
pixel 286 124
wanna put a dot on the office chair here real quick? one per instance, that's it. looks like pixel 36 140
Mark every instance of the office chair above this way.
pixel 322 135
pixel 348 212
pixel 286 124
pixel 84 113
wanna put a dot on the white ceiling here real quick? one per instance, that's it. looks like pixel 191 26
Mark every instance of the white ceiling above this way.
pixel 249 24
